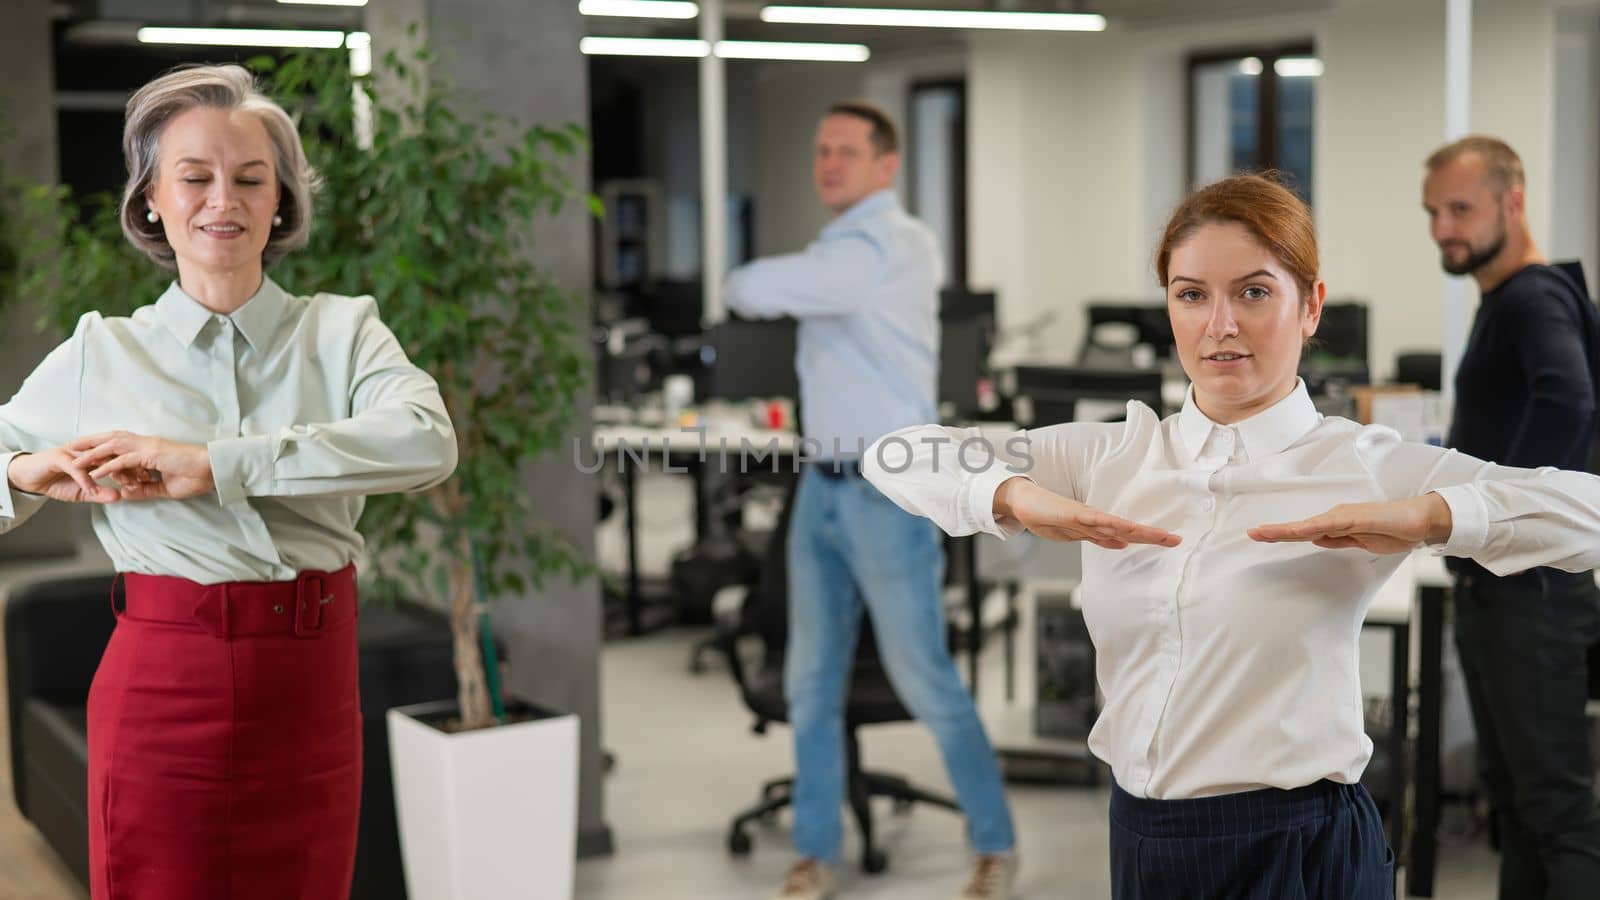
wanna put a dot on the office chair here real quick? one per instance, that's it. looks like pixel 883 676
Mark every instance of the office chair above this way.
pixel 871 701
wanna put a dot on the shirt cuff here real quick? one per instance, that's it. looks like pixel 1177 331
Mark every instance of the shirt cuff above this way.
pixel 1469 521
pixel 732 294
pixel 241 467
pixel 8 506
pixel 978 501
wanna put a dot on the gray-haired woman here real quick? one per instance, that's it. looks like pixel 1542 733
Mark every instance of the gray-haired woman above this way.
pixel 226 435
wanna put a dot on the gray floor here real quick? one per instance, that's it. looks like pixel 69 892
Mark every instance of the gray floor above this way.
pixel 686 761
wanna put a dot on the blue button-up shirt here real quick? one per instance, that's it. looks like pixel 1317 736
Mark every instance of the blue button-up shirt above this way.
pixel 866 294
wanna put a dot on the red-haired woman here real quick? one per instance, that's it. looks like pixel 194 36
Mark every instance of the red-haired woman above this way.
pixel 1226 645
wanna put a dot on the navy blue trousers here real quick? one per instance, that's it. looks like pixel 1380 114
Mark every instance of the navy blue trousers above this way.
pixel 1320 842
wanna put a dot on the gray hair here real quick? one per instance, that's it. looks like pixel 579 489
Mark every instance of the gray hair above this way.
pixel 218 87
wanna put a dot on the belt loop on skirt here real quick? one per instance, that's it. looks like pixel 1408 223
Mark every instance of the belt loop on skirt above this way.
pixel 213 617
pixel 310 598
pixel 115 581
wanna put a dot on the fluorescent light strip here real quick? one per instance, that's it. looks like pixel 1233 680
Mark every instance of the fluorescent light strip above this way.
pixel 1298 67
pixel 324 2
pixel 934 18
pixel 792 51
pixel 243 37
pixel 1250 65
pixel 615 46
pixel 774 50
pixel 638 9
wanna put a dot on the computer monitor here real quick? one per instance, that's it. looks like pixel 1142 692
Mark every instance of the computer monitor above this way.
pixel 960 303
pixel 674 308
pixel 1341 339
pixel 751 359
pixel 1148 322
pixel 1054 392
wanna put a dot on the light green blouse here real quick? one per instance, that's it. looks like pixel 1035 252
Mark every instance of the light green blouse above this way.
pixel 307 404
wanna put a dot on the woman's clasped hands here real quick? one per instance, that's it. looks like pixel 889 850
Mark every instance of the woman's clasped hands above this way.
pixel 140 467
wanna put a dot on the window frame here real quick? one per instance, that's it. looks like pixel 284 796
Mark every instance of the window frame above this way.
pixel 1267 150
pixel 957 275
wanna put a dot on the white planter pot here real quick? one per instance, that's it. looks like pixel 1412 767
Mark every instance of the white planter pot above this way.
pixel 485 814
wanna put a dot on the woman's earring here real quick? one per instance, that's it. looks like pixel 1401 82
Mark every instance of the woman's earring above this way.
pixel 152 217
pixel 277 221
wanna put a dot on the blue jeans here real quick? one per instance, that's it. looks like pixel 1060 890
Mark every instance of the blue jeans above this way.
pixel 849 544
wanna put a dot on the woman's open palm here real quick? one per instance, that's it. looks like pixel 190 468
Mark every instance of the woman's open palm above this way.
pixel 1054 517
pixel 1382 527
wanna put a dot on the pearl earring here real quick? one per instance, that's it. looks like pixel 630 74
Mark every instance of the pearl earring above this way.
pixel 277 221
pixel 152 217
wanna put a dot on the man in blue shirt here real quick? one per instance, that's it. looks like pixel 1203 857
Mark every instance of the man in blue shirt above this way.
pixel 865 294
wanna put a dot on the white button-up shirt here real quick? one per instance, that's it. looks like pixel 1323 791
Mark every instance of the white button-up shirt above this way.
pixel 1229 665
pixel 305 403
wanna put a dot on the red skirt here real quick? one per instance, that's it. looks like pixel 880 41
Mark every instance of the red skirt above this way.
pixel 225 742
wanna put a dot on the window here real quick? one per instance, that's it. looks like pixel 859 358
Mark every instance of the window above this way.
pixel 1252 109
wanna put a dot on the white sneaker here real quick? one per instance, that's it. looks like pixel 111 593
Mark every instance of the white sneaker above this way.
pixel 991 879
pixel 808 879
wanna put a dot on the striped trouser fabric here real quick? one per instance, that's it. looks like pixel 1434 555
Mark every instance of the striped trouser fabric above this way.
pixel 1323 841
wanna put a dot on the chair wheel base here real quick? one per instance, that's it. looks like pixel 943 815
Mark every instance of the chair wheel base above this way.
pixel 874 862
pixel 738 843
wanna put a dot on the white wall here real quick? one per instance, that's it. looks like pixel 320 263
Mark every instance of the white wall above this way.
pixel 1576 211
pixel 1383 113
pixel 997 214
pixel 1077 153
pixel 1056 177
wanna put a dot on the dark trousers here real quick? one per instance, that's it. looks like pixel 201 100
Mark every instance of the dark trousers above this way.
pixel 1524 645
pixel 1323 841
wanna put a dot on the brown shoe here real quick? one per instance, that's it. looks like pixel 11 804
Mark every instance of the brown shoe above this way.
pixel 808 879
pixel 992 876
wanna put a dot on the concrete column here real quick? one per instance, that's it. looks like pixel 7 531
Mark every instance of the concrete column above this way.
pixel 28 152
pixel 521 60
pixel 713 163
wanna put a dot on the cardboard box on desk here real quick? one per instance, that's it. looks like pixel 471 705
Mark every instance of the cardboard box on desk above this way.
pixel 1406 408
pixel 1365 394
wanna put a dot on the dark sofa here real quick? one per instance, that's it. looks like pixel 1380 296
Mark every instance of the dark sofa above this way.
pixel 55 631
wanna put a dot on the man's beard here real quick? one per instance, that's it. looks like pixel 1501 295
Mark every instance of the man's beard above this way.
pixel 1477 258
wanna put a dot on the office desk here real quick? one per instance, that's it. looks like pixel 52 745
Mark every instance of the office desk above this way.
pixel 681 450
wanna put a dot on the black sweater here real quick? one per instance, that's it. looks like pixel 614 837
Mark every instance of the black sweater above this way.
pixel 1526 392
